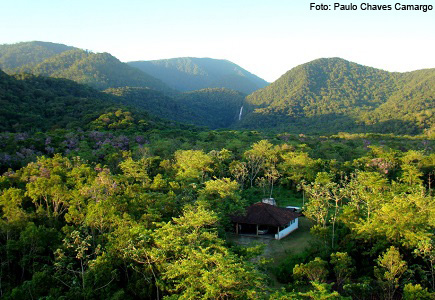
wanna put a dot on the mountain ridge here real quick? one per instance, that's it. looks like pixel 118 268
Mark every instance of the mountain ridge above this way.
pixel 326 89
pixel 194 73
pixel 99 70
pixel 326 95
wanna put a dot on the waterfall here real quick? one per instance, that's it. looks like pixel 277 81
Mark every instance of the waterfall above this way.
pixel 240 113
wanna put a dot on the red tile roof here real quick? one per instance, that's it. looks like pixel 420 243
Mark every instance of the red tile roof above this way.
pixel 266 214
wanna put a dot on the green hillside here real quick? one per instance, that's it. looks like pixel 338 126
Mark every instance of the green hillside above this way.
pixel 99 70
pixel 413 102
pixel 190 73
pixel 35 103
pixel 14 56
pixel 331 95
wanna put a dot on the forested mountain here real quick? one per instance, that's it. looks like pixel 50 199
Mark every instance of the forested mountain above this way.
pixel 322 96
pixel 330 95
pixel 413 101
pixel 190 73
pixel 14 56
pixel 99 70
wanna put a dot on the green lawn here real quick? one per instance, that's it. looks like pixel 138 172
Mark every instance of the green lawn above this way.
pixel 296 242
pixel 277 250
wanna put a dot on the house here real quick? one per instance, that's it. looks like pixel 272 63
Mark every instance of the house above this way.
pixel 266 219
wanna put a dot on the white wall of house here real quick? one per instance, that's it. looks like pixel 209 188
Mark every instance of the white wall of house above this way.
pixel 286 231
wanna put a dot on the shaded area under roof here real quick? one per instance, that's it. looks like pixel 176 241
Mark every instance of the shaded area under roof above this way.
pixel 266 214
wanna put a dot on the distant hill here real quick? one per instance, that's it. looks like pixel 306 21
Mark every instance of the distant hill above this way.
pixel 330 95
pixel 99 70
pixel 14 56
pixel 190 73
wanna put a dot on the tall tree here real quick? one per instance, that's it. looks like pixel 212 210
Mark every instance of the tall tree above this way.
pixel 390 270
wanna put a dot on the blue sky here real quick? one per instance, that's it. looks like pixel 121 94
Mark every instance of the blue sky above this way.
pixel 265 37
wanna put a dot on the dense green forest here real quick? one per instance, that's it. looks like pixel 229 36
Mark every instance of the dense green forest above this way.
pixel 32 102
pixel 212 108
pixel 113 195
pixel 331 95
pixel 121 212
pixel 191 73
pixel 37 103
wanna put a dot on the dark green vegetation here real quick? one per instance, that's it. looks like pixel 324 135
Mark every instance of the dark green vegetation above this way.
pixel 101 200
pixel 36 103
pixel 190 73
pixel 213 108
pixel 332 95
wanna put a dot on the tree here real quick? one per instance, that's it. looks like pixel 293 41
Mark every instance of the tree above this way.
pixel 342 266
pixel 366 192
pixel 74 258
pixel 411 164
pixel 239 171
pixel 416 292
pixel 319 195
pixel 222 197
pixel 195 264
pixel 192 164
pixel 298 166
pixel 405 219
pixel 319 291
pixel 137 171
pixel 113 120
pixel 46 185
pixel 316 270
pixel 11 201
pixel 257 157
pixel 221 159
pixel 426 249
pixel 271 174
pixel 391 268
pixel 322 291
